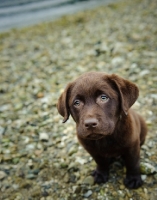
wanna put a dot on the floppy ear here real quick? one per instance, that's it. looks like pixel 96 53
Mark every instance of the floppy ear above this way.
pixel 128 92
pixel 62 104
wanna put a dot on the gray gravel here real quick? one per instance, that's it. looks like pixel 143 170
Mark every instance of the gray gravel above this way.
pixel 40 157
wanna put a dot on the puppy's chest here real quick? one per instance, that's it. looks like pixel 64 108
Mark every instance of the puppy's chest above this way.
pixel 107 147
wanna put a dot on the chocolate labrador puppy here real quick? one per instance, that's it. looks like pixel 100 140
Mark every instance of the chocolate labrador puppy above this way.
pixel 106 126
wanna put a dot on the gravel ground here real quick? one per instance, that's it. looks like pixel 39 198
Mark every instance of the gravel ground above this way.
pixel 40 157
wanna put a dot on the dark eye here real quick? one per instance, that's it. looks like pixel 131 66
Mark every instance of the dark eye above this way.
pixel 104 97
pixel 76 102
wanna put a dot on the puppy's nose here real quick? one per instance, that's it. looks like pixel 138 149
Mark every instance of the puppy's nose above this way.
pixel 91 123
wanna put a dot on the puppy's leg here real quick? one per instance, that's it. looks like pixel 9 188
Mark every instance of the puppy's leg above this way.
pixel 102 171
pixel 132 159
pixel 143 131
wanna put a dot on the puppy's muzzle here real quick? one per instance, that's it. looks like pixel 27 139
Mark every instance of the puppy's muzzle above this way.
pixel 91 125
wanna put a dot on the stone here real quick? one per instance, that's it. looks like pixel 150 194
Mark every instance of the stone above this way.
pixel 144 72
pixel 72 150
pixel 77 189
pixel 2 175
pixel 121 187
pixel 143 177
pixel 40 95
pixel 147 168
pixel 64 165
pixel 44 137
pixel 89 180
pixel 2 130
pixel 88 194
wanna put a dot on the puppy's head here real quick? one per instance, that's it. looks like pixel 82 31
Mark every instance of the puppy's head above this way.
pixel 95 101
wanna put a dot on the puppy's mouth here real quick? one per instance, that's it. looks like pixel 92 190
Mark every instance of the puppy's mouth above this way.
pixel 94 136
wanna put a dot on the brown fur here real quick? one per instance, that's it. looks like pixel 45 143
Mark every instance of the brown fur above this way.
pixel 106 126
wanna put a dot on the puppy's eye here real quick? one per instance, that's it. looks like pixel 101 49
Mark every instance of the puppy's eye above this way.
pixel 77 102
pixel 104 98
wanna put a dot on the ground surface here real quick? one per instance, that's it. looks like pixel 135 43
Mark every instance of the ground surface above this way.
pixel 40 157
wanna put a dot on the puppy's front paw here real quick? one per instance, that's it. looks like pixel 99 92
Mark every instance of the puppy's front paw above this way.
pixel 100 177
pixel 133 181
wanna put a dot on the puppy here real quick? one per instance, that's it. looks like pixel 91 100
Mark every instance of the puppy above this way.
pixel 106 126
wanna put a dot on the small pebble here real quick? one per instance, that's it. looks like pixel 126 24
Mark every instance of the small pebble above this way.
pixel 2 175
pixel 89 180
pixel 147 168
pixel 40 95
pixel 88 194
pixel 121 187
pixel 44 137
